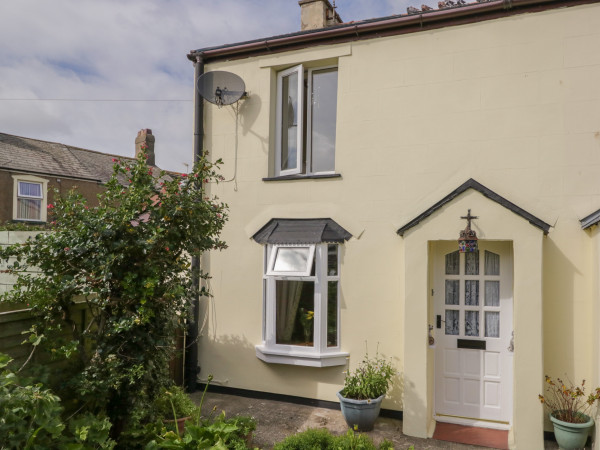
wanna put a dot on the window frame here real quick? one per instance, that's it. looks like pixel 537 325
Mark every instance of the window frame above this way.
pixel 299 70
pixel 304 155
pixel 43 198
pixel 319 355
pixel 309 112
pixel 273 257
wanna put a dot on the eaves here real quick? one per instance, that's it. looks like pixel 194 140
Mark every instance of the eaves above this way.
pixel 380 27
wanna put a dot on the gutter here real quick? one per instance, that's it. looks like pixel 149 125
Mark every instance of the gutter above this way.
pixel 191 369
pixel 386 26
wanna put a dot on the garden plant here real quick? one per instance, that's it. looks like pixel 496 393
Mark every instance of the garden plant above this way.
pixel 322 439
pixel 126 263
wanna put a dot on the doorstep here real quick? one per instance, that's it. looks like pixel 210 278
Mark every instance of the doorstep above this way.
pixel 484 437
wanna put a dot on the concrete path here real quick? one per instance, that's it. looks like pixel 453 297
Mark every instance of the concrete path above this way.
pixel 277 420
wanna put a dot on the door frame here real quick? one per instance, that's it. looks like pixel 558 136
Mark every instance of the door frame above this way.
pixel 439 250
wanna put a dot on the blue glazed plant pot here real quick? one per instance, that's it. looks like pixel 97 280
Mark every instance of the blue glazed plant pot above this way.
pixel 360 415
pixel 571 435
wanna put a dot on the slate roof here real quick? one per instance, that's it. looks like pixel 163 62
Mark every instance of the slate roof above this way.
pixel 472 184
pixel 52 158
pixel 301 231
pixel 591 220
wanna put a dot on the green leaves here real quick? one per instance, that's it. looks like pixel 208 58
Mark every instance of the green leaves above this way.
pixel 371 379
pixel 28 414
pixel 219 433
pixel 127 259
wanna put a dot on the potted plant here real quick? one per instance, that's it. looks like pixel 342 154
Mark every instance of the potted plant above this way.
pixel 174 406
pixel 570 411
pixel 364 390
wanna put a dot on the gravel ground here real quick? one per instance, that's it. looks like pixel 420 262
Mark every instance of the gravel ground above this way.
pixel 276 420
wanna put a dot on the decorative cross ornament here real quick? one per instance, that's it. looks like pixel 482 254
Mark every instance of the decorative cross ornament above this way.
pixel 467 242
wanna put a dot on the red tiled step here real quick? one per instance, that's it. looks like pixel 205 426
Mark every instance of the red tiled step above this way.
pixel 484 437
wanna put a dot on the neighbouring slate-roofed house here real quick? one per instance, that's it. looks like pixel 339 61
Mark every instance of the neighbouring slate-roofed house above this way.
pixel 31 169
pixel 351 165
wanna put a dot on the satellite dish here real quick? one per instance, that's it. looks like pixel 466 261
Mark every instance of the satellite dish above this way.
pixel 221 88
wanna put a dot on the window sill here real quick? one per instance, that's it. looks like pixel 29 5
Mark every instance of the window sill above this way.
pixel 301 358
pixel 29 221
pixel 303 177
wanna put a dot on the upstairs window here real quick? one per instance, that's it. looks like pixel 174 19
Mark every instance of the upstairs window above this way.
pixel 306 118
pixel 30 198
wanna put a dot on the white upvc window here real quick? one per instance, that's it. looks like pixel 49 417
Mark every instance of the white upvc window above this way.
pixel 291 260
pixel 30 198
pixel 306 121
pixel 301 302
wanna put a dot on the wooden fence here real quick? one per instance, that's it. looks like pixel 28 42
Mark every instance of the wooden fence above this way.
pixel 17 319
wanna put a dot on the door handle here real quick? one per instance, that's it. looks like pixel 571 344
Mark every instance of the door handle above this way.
pixel 430 338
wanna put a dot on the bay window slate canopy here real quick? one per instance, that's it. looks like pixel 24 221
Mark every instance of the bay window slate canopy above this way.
pixel 301 231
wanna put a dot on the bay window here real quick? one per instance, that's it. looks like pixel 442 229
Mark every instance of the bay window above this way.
pixel 301 305
pixel 301 276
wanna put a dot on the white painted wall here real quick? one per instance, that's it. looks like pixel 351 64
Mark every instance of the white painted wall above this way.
pixel 513 103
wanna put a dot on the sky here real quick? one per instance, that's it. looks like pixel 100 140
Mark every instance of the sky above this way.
pixel 92 73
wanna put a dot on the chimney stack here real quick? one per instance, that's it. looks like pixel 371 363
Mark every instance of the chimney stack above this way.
pixel 144 136
pixel 317 14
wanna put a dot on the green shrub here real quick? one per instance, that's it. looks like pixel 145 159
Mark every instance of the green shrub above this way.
pixel 218 433
pixel 30 418
pixel 89 432
pixel 322 439
pixel 371 379
pixel 29 414
pixel 173 403
pixel 126 260
pixel 307 440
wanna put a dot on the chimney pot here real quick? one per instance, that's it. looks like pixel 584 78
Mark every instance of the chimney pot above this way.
pixel 317 14
pixel 145 136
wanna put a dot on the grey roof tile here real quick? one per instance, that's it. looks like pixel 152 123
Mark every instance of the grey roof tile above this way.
pixel 52 158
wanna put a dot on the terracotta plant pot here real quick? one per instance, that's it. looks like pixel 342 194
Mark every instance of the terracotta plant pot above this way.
pixel 360 415
pixel 180 423
pixel 571 435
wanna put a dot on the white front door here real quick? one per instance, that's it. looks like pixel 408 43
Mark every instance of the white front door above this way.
pixel 473 307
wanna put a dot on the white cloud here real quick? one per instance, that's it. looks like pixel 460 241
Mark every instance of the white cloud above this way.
pixel 126 50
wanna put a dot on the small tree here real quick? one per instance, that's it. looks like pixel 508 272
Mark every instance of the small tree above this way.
pixel 128 259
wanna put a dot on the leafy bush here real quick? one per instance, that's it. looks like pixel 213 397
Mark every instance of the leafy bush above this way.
pixel 29 414
pixel 218 433
pixel 127 260
pixel 322 439
pixel 371 379
pixel 89 432
pixel 173 402
pixel 30 418
pixel 309 439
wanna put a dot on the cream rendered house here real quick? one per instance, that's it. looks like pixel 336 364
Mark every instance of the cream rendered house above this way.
pixel 350 166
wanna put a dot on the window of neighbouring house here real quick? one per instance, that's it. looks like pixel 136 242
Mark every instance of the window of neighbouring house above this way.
pixel 301 279
pixel 306 121
pixel 29 201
